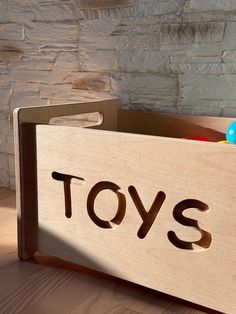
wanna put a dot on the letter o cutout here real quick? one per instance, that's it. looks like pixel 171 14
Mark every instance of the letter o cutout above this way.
pixel 120 214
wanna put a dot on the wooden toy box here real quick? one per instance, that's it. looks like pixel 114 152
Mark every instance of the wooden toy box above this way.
pixel 130 198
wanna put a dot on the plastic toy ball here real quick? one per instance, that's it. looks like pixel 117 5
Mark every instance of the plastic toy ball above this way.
pixel 224 142
pixel 200 138
pixel 231 133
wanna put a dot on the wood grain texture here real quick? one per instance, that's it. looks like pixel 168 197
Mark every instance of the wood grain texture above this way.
pixel 184 170
pixel 24 146
pixel 46 285
pixel 66 170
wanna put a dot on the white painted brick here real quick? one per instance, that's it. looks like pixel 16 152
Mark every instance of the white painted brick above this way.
pixel 10 142
pixel 207 16
pixel 60 76
pixel 65 92
pixel 83 96
pixel 4 96
pixel 20 47
pixel 20 11
pixel 229 56
pixel 21 17
pixel 23 65
pixel 103 27
pixel 58 91
pixel 139 43
pixel 5 79
pixel 67 60
pixel 117 27
pixel 3 65
pixel 103 4
pixel 173 56
pixel 152 102
pixel 48 2
pixel 229 68
pixel 91 81
pixel 3 11
pixel 11 31
pixel 4 170
pixel 196 48
pixel 37 60
pixel 210 5
pixel 123 61
pixel 146 84
pixel 191 58
pixel 24 88
pixel 203 106
pixel 192 32
pixel 205 68
pixel 229 41
pixel 10 55
pixel 140 9
pixel 12 183
pixel 199 110
pixel 4 108
pixel 194 68
pixel 4 131
pixel 229 112
pixel 136 27
pixel 207 87
pixel 211 48
pixel 26 100
pixel 55 12
pixel 11 163
pixel 150 107
pixel 28 75
pixel 60 102
pixel 59 33
pixel 209 32
pixel 40 55
pixel 59 46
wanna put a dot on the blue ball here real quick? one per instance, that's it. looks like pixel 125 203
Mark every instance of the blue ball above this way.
pixel 231 133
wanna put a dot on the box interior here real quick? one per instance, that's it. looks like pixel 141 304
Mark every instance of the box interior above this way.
pixel 154 123
pixel 173 125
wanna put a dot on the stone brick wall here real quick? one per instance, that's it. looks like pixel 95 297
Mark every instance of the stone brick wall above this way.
pixel 168 55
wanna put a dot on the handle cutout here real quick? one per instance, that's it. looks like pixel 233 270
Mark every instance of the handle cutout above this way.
pixel 82 120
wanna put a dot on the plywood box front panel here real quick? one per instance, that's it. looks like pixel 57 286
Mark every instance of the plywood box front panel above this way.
pixel 152 209
pixel 156 211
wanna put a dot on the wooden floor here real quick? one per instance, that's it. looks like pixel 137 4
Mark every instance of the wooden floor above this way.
pixel 49 285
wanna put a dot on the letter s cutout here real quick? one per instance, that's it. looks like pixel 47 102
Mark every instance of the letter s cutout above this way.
pixel 206 237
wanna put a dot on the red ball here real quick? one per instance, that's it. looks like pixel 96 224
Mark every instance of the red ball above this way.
pixel 200 138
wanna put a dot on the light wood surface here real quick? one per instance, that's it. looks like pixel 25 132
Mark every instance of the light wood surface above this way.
pixel 80 174
pixel 24 143
pixel 182 170
pixel 46 285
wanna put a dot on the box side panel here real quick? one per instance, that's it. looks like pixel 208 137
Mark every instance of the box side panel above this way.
pixel 155 211
pixel 25 155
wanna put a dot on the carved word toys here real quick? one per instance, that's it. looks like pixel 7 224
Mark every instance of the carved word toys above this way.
pixel 148 216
